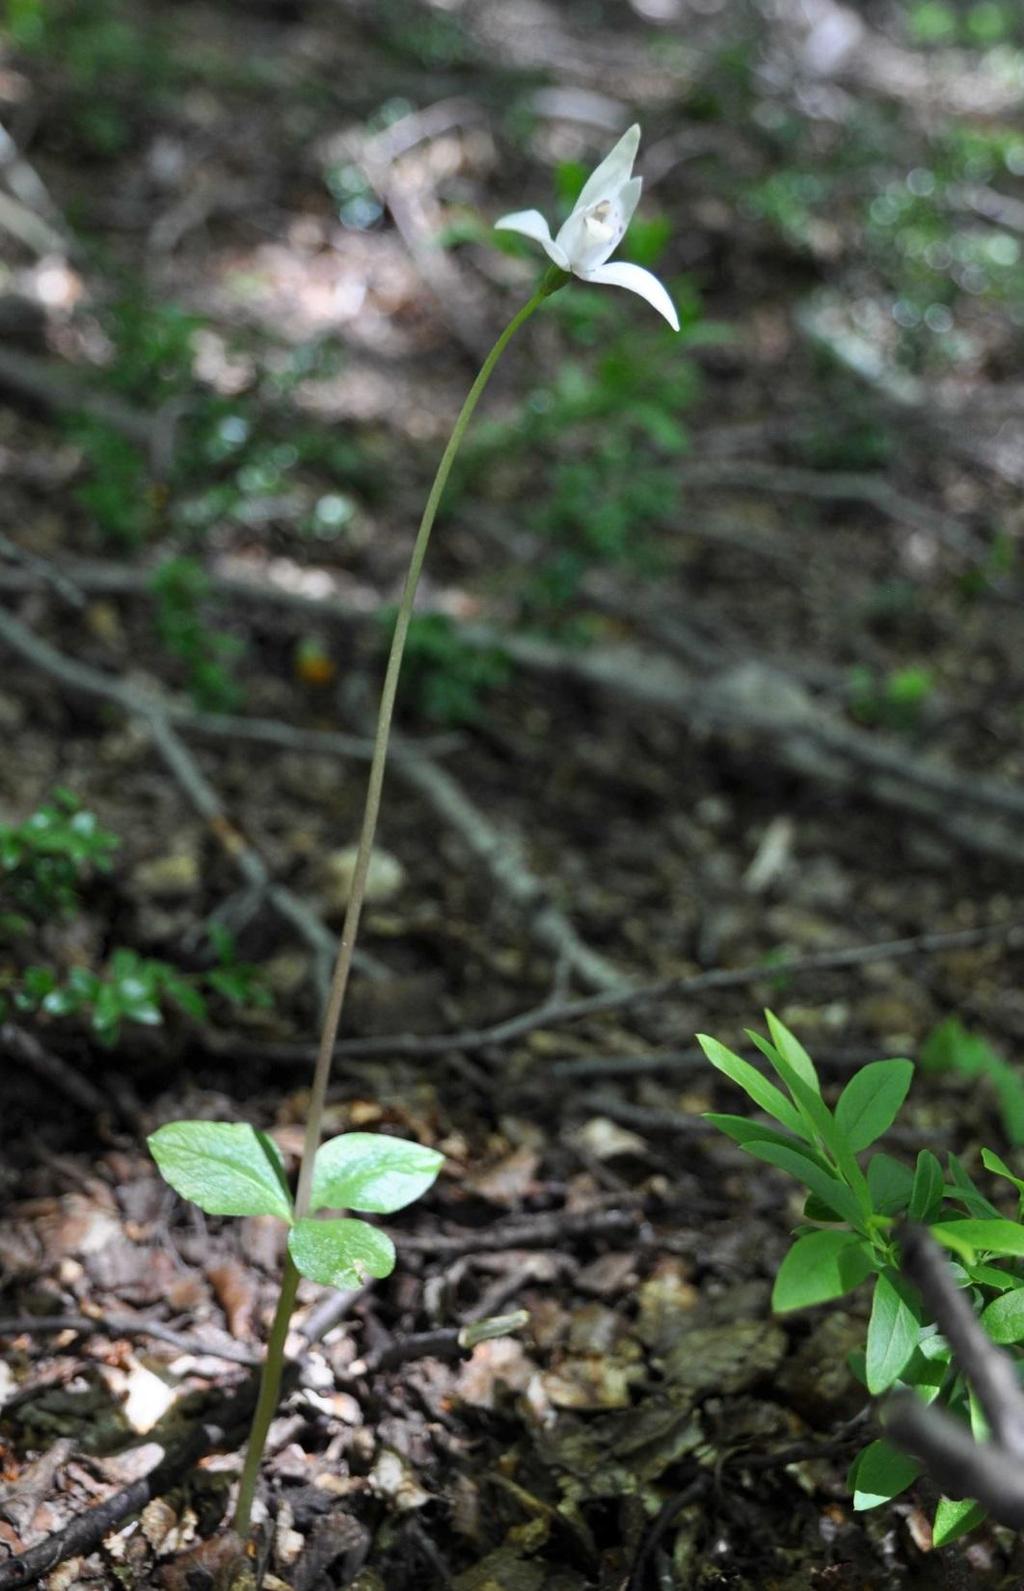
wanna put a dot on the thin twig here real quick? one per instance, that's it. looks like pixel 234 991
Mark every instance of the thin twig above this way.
pixel 83 1534
pixel 750 698
pixel 226 1422
pixel 829 487
pixel 85 680
pixel 557 1013
pixel 444 1343
pixel 503 856
pixel 991 1372
pixel 958 1464
pixel 124 1326
pixel 43 570
pixel 541 1231
pixel 991 1472
pixel 660 1525
pixel 25 1049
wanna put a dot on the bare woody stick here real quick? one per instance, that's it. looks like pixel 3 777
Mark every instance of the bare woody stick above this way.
pixel 991 1472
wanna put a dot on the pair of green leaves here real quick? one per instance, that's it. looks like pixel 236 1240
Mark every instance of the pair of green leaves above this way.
pixel 229 1168
pixel 880 1472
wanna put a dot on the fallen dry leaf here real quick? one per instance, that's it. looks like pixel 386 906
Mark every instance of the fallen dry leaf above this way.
pixel 236 1294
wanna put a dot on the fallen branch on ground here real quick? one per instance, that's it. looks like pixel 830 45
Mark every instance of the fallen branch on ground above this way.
pixel 539 1231
pixel 503 856
pixel 556 1012
pixel 225 1423
pixel 84 680
pixel 750 700
pixel 125 1326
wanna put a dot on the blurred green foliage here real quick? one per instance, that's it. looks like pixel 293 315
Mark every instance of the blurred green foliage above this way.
pixel 895 700
pixel 984 23
pixel 44 860
pixel 109 60
pixel 606 432
pixel 180 587
pixel 135 989
pixel 45 864
pixel 954 1048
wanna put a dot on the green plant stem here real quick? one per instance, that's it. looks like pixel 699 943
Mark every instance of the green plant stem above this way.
pixel 375 783
pixel 266 1402
pixel 271 1377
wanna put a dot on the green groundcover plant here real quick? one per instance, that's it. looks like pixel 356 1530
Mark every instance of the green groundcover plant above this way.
pixel 848 1237
pixel 44 860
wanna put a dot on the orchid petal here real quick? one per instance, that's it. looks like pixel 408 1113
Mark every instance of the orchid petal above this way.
pixel 629 198
pixel 636 280
pixel 533 225
pixel 614 171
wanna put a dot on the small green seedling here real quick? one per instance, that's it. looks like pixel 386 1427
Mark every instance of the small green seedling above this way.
pixel 847 1236
pixel 229 1168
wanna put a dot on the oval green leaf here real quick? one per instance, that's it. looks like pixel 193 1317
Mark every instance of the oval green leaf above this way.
pixel 763 1093
pixel 820 1266
pixel 926 1193
pixel 890 1183
pixel 1003 1319
pixel 880 1473
pixel 370 1171
pixel 870 1102
pixel 340 1253
pixel 227 1168
pixel 892 1335
pixel 994 1236
pixel 792 1051
pixel 954 1518
pixel 993 1162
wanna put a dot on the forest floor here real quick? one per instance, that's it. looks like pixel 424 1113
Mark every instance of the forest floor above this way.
pixel 715 704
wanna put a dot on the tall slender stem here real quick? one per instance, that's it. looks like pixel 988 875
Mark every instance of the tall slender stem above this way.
pixel 270 1382
pixel 375 783
pixel 266 1402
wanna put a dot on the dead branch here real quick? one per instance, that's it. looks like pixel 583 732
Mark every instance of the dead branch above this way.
pixel 756 702
pixel 181 1451
pixel 749 701
pixel 84 680
pixel 992 1472
pixel 225 1422
pixel 558 1012
pixel 829 487
pixel 60 387
pixel 540 1231
pixel 124 1326
pixel 24 1049
pixel 502 854
pixel 415 211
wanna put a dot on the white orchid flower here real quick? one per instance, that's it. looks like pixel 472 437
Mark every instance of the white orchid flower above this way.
pixel 596 228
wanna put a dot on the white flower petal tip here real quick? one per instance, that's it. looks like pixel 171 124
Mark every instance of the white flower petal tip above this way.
pixel 531 224
pixel 597 226
pixel 636 280
pixel 614 171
